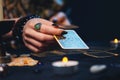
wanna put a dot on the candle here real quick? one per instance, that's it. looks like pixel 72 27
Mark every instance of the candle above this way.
pixel 115 43
pixel 1 10
pixel 65 66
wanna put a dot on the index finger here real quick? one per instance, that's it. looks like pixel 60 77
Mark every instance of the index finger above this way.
pixel 50 30
pixel 46 26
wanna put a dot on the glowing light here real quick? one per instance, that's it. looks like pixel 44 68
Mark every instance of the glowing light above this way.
pixel 115 40
pixel 65 59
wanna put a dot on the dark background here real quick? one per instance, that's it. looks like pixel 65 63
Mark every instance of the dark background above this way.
pixel 99 20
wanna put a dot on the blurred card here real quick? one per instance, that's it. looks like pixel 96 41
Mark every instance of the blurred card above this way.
pixel 71 40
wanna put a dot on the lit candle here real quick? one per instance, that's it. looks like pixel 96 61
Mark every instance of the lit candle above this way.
pixel 115 43
pixel 1 10
pixel 65 66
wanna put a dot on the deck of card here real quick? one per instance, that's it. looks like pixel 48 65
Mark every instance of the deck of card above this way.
pixel 71 40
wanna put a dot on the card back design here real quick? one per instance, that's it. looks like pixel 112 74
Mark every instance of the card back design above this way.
pixel 71 40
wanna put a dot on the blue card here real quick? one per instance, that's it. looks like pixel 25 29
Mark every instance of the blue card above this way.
pixel 71 40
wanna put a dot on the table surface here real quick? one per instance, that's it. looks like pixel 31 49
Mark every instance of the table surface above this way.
pixel 95 55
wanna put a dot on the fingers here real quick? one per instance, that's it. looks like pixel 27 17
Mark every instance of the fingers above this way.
pixel 37 35
pixel 36 41
pixel 51 30
pixel 61 19
pixel 46 26
pixel 39 39
pixel 37 46
pixel 34 45
pixel 33 48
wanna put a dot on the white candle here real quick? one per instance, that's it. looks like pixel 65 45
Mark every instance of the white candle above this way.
pixel 67 64
pixel 1 10
pixel 65 67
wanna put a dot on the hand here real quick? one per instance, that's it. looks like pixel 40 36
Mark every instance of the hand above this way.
pixel 38 41
pixel 61 19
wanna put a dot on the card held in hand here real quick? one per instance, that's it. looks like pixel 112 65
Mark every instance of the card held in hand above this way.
pixel 71 40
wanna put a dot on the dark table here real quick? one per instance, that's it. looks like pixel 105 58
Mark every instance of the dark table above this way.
pixel 44 71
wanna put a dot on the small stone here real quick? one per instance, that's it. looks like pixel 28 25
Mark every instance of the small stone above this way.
pixel 97 68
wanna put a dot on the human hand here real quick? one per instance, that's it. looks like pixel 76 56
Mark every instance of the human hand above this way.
pixel 61 19
pixel 40 40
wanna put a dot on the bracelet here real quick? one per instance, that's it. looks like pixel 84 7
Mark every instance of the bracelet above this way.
pixel 19 25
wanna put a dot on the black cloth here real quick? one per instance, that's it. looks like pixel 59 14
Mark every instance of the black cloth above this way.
pixel 45 70
pixel 98 20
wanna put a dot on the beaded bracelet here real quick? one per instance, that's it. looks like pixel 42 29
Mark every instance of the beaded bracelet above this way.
pixel 19 25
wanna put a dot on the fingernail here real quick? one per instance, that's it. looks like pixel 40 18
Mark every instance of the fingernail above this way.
pixel 54 21
pixel 54 24
pixel 64 32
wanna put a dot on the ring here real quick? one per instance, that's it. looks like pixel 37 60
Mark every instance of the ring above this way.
pixel 37 26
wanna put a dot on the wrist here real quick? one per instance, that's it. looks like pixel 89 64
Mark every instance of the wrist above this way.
pixel 19 25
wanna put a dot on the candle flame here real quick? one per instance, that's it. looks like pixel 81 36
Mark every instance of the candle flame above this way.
pixel 115 40
pixel 65 59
